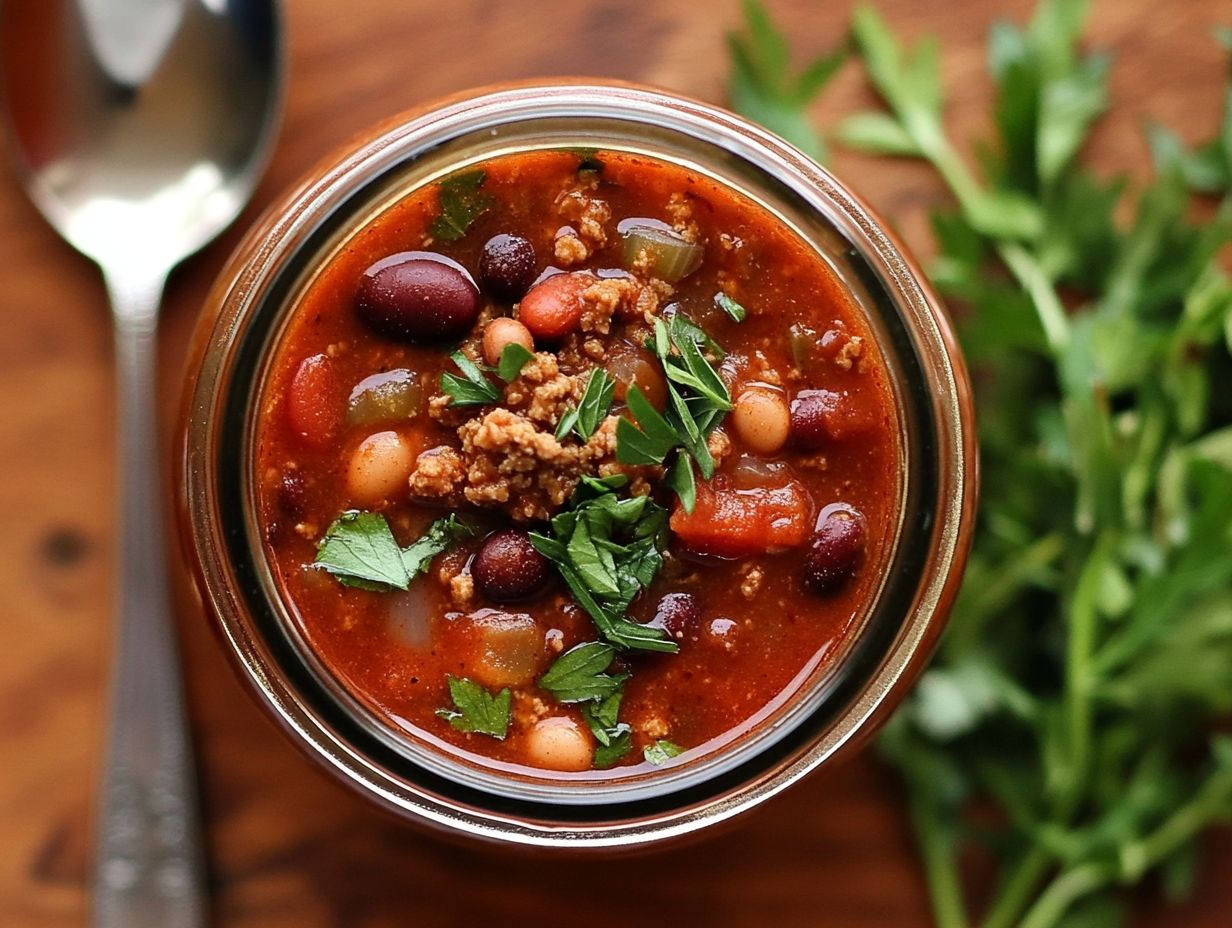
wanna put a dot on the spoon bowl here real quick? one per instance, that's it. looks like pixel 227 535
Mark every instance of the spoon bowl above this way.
pixel 139 128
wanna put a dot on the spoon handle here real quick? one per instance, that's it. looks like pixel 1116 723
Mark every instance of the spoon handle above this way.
pixel 149 860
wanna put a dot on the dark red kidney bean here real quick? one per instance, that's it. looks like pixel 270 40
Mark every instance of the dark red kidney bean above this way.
pixel 507 567
pixel 835 551
pixel 811 414
pixel 507 267
pixel 418 296
pixel 313 402
pixel 677 614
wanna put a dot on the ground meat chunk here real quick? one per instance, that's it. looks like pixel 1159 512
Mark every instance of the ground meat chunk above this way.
pixel 437 474
pixel 542 392
pixel 462 590
pixel 588 213
pixel 622 298
pixel 569 249
pixel 680 213
pixel 508 462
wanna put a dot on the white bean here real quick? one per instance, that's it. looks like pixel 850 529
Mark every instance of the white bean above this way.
pixel 379 468
pixel 558 743
pixel 762 420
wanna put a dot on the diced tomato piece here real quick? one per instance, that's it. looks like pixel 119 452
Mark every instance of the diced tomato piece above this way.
pixel 739 522
pixel 314 401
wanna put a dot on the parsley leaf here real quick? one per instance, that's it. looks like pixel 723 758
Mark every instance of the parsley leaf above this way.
pixel 476 710
pixel 661 752
pixel 649 444
pixel 763 86
pixel 596 401
pixel 360 550
pixel 578 674
pixel 697 401
pixel 680 478
pixel 620 743
pixel 441 535
pixel 462 202
pixel 607 549
pixel 512 359
pixel 737 312
pixel 472 388
pixel 614 738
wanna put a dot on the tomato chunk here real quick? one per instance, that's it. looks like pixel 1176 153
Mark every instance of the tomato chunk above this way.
pixel 739 522
pixel 314 401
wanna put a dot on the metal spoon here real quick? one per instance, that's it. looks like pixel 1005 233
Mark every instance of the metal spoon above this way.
pixel 140 127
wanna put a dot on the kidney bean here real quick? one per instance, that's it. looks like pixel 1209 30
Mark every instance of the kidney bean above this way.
pixel 552 308
pixel 677 614
pixel 507 567
pixel 313 403
pixel 819 417
pixel 418 295
pixel 507 266
pixel 835 551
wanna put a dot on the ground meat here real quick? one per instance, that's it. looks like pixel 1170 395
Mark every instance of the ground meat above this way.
pixel 542 392
pixel 588 213
pixel 624 298
pixel 507 462
pixel 851 351
pixel 462 590
pixel 654 727
pixel 680 213
pixel 437 474
pixel 569 249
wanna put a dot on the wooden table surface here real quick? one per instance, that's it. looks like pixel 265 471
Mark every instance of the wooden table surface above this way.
pixel 287 846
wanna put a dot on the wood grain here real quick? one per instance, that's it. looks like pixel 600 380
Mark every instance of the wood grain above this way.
pixel 289 848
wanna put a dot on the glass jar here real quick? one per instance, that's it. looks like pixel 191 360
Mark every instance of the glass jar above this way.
pixel 831 711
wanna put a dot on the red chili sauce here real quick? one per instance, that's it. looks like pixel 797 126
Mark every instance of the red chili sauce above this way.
pixel 611 271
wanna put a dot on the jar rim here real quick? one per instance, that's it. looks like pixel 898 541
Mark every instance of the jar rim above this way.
pixel 417 135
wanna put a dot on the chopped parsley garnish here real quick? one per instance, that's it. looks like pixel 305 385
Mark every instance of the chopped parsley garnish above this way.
pixel 578 674
pixel 513 358
pixel 607 549
pixel 737 312
pixel 596 401
pixel 592 410
pixel 476 710
pixel 661 752
pixel 614 738
pixel 359 550
pixel 441 535
pixel 462 202
pixel 471 389
pixel 697 401
pixel 680 479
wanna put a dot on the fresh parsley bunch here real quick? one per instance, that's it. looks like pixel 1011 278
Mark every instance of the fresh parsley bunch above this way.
pixel 1089 657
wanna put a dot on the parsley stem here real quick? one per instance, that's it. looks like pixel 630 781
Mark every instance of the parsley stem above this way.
pixel 940 863
pixel 1212 801
pixel 1028 272
pixel 1018 889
